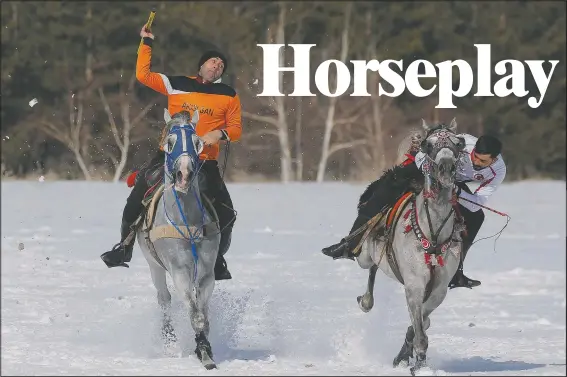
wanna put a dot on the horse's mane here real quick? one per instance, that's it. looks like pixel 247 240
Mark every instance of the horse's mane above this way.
pixel 392 182
pixel 178 119
pixel 405 143
pixel 395 180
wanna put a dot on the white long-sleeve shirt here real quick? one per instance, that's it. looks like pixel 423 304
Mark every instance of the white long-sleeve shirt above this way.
pixel 489 178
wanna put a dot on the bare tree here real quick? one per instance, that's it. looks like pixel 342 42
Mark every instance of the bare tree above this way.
pixel 122 135
pixel 73 135
pixel 277 104
pixel 326 149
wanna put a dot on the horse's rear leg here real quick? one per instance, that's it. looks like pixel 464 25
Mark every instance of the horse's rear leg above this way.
pixel 407 348
pixel 164 301
pixel 366 301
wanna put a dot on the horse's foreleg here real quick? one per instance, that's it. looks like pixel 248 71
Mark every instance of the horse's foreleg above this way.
pixel 433 302
pixel 200 321
pixel 366 301
pixel 414 297
pixel 164 301
pixel 196 297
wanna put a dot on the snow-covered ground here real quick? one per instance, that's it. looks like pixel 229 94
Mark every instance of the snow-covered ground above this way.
pixel 288 310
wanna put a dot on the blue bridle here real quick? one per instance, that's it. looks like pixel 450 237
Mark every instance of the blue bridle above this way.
pixel 180 141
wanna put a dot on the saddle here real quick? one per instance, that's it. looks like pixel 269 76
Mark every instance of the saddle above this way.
pixel 381 224
pixel 154 179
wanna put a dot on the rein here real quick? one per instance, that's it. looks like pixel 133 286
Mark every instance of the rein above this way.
pixel 199 232
pixel 435 235
pixel 431 190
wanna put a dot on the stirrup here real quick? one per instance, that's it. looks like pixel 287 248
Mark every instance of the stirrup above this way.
pixel 110 258
pixel 332 252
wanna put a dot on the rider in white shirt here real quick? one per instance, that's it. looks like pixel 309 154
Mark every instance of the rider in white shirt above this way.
pixel 482 163
pixel 486 168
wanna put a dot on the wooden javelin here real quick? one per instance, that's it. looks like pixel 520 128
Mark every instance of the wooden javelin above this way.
pixel 148 27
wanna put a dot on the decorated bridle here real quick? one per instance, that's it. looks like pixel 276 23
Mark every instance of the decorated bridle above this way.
pixel 445 139
pixel 177 145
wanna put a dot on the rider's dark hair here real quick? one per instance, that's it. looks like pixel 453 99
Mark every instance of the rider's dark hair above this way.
pixel 487 144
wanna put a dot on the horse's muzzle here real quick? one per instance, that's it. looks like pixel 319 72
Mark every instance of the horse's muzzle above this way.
pixel 446 170
pixel 182 182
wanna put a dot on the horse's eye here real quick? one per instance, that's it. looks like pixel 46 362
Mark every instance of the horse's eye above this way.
pixel 198 142
pixel 171 142
pixel 426 147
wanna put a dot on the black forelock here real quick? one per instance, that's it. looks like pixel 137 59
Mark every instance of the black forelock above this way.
pixel 437 127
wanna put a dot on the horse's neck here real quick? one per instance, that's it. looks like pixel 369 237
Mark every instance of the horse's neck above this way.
pixel 439 208
pixel 191 204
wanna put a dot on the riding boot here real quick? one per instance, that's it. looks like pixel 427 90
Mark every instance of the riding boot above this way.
pixel 344 249
pixel 221 269
pixel 122 251
pixel 460 279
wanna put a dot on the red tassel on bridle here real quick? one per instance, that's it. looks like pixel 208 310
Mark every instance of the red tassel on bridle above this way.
pixel 131 180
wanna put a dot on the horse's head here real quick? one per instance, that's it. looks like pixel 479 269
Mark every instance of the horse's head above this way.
pixel 443 148
pixel 182 147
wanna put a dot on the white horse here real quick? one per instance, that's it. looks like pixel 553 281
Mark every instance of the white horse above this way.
pixel 181 234
pixel 422 251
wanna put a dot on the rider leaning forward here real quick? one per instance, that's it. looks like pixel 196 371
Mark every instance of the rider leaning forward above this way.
pixel 482 164
pixel 219 121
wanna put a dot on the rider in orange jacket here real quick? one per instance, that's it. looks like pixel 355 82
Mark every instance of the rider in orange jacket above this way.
pixel 219 121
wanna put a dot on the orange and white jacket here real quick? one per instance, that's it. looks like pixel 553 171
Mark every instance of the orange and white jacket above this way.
pixel 217 103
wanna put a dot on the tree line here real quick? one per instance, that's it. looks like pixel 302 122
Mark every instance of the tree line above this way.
pixel 93 120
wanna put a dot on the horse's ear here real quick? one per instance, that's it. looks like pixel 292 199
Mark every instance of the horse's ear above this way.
pixel 453 125
pixel 166 116
pixel 195 117
pixel 424 125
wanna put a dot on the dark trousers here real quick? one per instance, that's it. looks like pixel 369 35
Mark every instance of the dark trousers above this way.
pixel 473 221
pixel 213 187
pixel 216 190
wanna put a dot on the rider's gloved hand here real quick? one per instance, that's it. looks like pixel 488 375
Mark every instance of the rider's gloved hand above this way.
pixel 457 190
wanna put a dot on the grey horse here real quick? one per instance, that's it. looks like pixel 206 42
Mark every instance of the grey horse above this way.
pixel 421 246
pixel 180 234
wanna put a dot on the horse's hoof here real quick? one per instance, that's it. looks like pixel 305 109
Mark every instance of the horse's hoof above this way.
pixel 207 361
pixel 401 360
pixel 420 363
pixel 402 363
pixel 365 305
pixel 204 354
